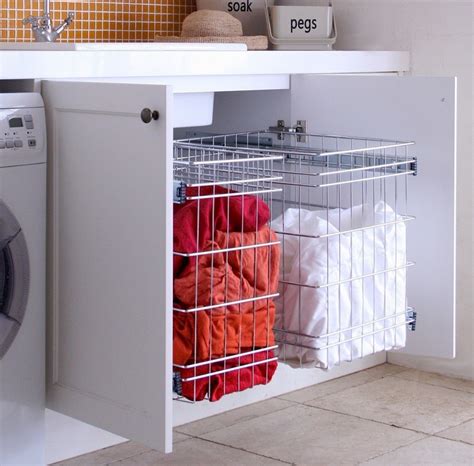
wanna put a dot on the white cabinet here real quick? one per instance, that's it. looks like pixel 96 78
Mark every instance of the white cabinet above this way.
pixel 110 360
pixel 110 220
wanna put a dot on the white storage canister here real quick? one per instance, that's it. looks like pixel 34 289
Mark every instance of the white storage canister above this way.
pixel 311 22
pixel 251 13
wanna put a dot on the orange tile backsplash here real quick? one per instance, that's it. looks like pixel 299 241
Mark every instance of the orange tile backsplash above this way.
pixel 98 20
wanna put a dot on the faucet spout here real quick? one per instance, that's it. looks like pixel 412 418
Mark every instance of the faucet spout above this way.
pixel 64 24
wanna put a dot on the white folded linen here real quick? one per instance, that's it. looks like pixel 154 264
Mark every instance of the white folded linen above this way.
pixel 324 305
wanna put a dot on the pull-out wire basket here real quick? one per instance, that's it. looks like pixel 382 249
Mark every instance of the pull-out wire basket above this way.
pixel 297 253
pixel 226 270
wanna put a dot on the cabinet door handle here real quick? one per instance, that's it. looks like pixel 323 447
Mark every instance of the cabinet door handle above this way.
pixel 147 115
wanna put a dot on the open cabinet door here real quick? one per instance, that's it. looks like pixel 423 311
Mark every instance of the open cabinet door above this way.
pixel 405 109
pixel 110 269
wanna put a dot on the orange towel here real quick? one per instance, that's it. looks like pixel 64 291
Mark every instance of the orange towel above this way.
pixel 237 380
pixel 226 277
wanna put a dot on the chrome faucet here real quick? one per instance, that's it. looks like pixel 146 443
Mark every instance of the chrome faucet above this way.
pixel 42 26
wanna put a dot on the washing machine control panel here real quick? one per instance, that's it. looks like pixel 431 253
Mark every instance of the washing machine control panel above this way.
pixel 22 136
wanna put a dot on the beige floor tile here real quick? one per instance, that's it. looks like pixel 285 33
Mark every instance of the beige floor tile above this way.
pixel 463 432
pixel 233 417
pixel 304 435
pixel 436 379
pixel 342 383
pixel 328 388
pixel 198 452
pixel 431 450
pixel 403 403
pixel 107 455
pixel 383 370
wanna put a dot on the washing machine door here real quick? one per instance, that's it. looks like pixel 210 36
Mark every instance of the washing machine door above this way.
pixel 14 277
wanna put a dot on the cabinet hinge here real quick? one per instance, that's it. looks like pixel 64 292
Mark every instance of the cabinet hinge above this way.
pixel 414 166
pixel 300 127
pixel 411 319
pixel 179 192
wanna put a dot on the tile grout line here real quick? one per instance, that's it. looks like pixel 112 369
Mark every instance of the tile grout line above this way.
pixel 147 451
pixel 433 384
pixel 240 449
pixel 427 436
pixel 129 457
pixel 237 422
pixel 395 449
pixel 333 393
pixel 452 427
pixel 369 420
pixel 95 452
pixel 388 376
pixel 453 440
pixel 437 434
pixel 457 425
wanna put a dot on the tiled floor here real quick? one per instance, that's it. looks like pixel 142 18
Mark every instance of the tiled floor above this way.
pixel 387 415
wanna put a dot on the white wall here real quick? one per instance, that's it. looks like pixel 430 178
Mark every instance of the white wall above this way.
pixel 439 35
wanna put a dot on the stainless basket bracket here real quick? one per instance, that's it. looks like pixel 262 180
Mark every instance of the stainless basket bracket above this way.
pixel 179 192
pixel 411 319
pixel 300 127
pixel 414 166
pixel 177 383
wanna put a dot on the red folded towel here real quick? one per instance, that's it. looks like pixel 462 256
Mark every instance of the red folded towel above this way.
pixel 242 213
pixel 237 380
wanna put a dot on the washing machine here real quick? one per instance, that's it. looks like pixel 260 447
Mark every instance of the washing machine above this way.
pixel 22 278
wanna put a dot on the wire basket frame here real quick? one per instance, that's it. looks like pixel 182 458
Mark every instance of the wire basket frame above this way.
pixel 339 210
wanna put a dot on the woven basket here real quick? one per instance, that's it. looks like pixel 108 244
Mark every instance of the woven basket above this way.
pixel 215 27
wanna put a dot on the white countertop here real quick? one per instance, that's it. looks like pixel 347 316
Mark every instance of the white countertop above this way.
pixel 117 46
pixel 106 63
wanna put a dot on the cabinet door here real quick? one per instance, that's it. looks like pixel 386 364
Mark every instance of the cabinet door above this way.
pixel 110 242
pixel 407 109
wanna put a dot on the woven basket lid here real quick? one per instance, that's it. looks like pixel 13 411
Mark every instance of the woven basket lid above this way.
pixel 211 23
pixel 212 26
